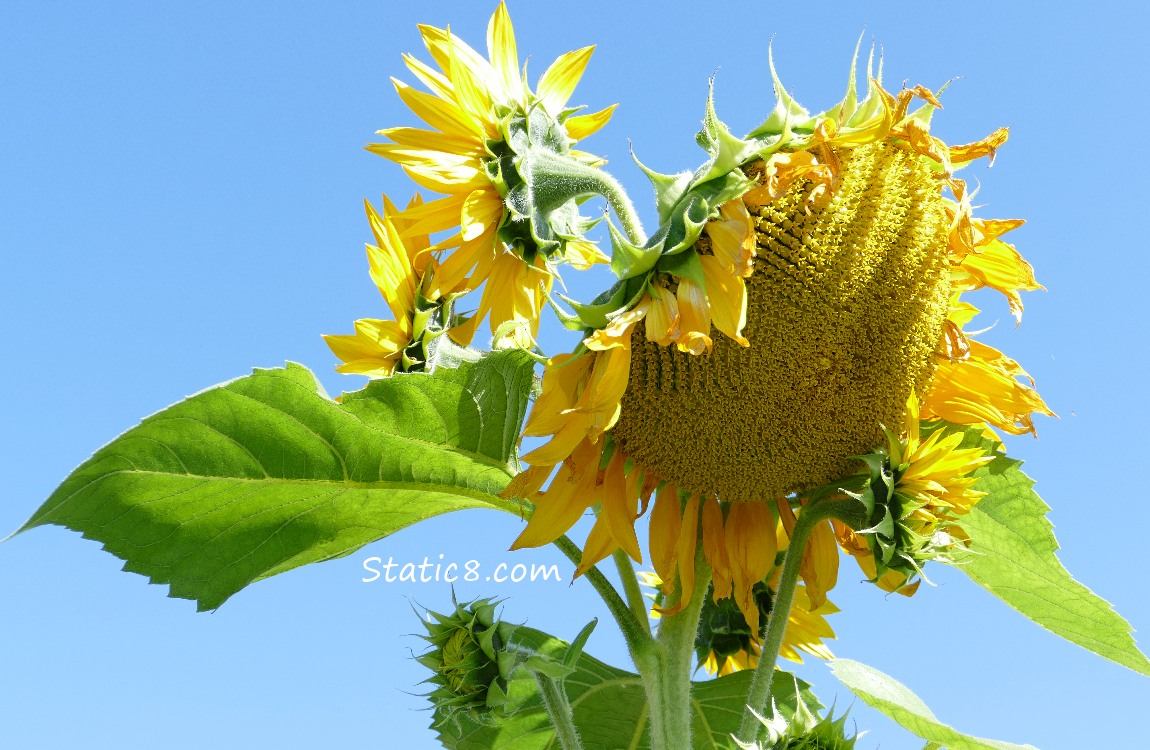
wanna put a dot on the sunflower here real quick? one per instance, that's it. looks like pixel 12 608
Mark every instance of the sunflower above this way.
pixel 725 642
pixel 482 152
pixel 405 273
pixel 758 353
pixel 931 485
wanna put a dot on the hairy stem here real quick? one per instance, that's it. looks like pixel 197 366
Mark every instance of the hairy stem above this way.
pixel 667 674
pixel 555 179
pixel 637 636
pixel 631 588
pixel 559 709
pixel 757 699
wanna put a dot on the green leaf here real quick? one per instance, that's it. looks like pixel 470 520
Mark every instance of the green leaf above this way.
pixel 610 707
pixel 266 473
pixel 891 697
pixel 1013 557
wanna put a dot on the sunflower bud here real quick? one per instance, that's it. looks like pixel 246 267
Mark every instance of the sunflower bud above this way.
pixel 471 662
pixel 802 732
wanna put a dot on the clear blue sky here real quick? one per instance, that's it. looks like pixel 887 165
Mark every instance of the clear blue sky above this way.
pixel 181 200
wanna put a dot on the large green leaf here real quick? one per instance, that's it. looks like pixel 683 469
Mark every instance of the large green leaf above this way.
pixel 610 708
pixel 894 699
pixel 266 473
pixel 1013 556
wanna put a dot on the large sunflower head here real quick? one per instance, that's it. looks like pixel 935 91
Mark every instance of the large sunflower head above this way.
pixel 804 286
pixel 493 147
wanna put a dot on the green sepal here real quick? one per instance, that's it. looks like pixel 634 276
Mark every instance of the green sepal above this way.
pixel 543 184
pixel 472 662
pixel 684 266
pixel 785 117
pixel 629 260
pixel 804 731
pixel 622 295
pixel 696 207
pixel 575 650
pixel 728 153
pixel 570 321
pixel 669 188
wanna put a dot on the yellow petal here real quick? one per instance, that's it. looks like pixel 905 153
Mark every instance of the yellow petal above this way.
pixel 433 79
pixel 559 447
pixel 433 140
pixel 558 82
pixel 504 57
pixel 694 318
pixel 619 508
pixel 715 548
pixel 727 296
pixel 456 266
pixel 439 114
pixel 733 238
pixel 562 379
pixel 582 254
pixel 557 509
pixel 986 147
pixel 666 525
pixel 526 483
pixel 820 564
pixel 685 554
pixel 472 92
pixel 437 216
pixel 662 316
pixel 580 126
pixel 443 45
pixel 983 388
pixel 751 550
pixel 482 212
pixel 600 543
pixel 999 266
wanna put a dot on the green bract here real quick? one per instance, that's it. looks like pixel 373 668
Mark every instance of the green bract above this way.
pixel 471 663
pixel 543 182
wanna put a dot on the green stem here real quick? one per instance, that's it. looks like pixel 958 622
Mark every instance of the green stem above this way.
pixel 559 709
pixel 667 672
pixel 620 202
pixel 555 179
pixel 637 636
pixel 757 699
pixel 631 588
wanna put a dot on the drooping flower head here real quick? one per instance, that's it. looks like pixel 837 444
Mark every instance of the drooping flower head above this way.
pixel 804 285
pixel 491 147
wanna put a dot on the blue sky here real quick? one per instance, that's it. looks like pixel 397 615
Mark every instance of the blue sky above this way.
pixel 181 200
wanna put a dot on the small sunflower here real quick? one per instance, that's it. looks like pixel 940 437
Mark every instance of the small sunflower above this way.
pixel 405 273
pixel 725 642
pixel 930 484
pixel 804 286
pixel 489 149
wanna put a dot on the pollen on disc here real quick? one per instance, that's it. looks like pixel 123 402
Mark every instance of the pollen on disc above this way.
pixel 844 312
